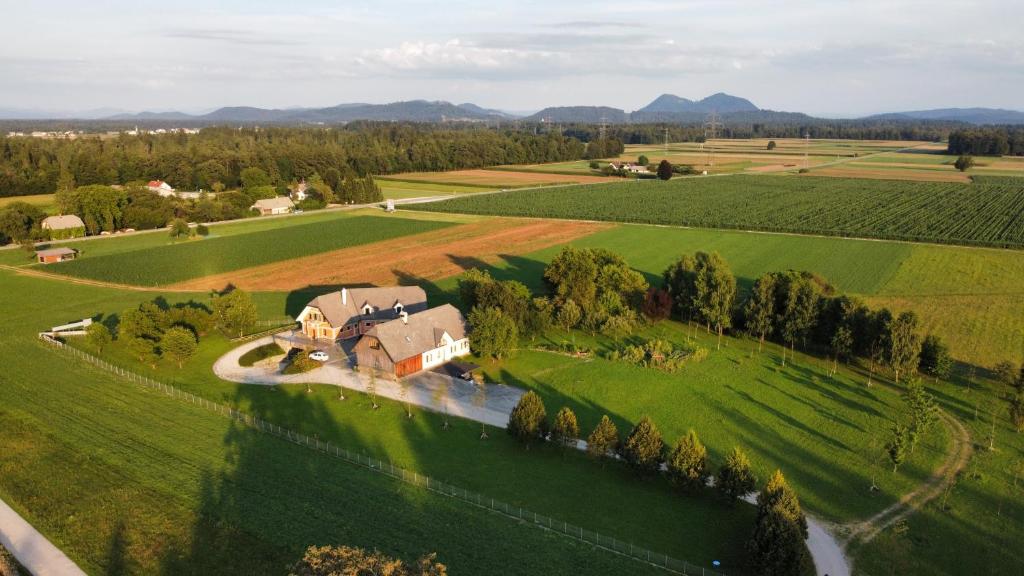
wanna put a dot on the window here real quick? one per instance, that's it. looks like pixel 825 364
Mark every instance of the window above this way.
pixel 375 344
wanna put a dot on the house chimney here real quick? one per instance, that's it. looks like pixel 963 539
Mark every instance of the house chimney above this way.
pixel 404 316
pixel 344 296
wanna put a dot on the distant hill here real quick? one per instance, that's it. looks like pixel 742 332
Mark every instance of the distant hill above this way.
pixel 969 115
pixel 468 106
pixel 411 111
pixel 720 102
pixel 580 114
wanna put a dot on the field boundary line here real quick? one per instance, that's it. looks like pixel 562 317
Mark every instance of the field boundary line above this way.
pixel 595 539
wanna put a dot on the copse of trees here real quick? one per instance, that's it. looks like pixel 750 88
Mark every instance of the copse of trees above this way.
pixel 987 141
pixel 702 288
pixel 606 291
pixel 346 560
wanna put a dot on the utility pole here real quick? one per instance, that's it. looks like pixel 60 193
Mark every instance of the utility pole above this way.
pixel 603 128
pixel 666 141
pixel 807 147
pixel 711 129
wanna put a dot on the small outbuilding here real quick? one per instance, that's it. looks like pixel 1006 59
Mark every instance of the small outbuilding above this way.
pixel 64 226
pixel 278 205
pixel 53 255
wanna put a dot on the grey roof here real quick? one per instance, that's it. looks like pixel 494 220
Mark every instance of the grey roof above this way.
pixel 63 222
pixel 62 251
pixel 421 333
pixel 381 300
pixel 276 202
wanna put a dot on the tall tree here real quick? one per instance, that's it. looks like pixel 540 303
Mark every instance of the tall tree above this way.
pixel 736 478
pixel 842 345
pixel 493 333
pixel 923 412
pixel 759 311
pixel 528 420
pixel 98 336
pixel 715 291
pixel 904 344
pixel 777 546
pixel 664 170
pixel 935 358
pixel 178 344
pixel 680 281
pixel 604 439
pixel 235 312
pixel 565 430
pixel 799 296
pixel 898 445
pixel 643 446
pixel 687 463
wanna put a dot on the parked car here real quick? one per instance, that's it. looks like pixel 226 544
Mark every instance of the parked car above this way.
pixel 319 356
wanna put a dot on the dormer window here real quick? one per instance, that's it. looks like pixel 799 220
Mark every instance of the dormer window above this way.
pixel 399 308
pixel 367 310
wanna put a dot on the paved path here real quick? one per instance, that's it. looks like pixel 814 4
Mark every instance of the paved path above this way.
pixel 31 548
pixel 424 389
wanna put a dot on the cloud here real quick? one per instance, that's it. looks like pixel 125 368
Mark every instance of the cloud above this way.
pixel 241 37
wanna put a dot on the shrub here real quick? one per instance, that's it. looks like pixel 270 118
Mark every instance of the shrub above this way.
pixel 604 439
pixel 687 462
pixel 735 477
pixel 566 430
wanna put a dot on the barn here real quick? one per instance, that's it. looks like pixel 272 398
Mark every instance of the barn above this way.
pixel 414 342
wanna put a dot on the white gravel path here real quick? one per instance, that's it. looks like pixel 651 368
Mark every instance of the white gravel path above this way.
pixel 31 548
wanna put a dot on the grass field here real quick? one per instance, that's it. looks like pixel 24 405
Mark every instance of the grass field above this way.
pixel 183 260
pixel 400 189
pixel 128 481
pixel 971 297
pixel 977 214
pixel 44 201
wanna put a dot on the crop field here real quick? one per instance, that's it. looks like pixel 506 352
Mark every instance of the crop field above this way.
pixel 493 178
pixel 970 214
pixel 128 481
pixel 170 263
pixel 437 254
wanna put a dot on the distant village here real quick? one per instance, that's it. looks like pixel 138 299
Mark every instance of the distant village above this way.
pixel 74 134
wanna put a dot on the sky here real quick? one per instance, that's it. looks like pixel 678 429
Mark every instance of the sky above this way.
pixel 829 58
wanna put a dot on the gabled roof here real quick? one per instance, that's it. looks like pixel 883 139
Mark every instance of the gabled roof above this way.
pixel 276 202
pixel 62 222
pixel 339 311
pixel 62 251
pixel 403 339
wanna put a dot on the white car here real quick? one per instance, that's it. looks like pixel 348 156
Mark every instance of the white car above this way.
pixel 319 356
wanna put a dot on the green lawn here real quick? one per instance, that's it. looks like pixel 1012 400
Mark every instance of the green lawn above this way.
pixel 966 214
pixel 186 259
pixel 611 500
pixel 44 201
pixel 971 297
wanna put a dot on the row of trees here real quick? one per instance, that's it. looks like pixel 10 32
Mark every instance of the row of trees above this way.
pixel 776 546
pixel 987 141
pixel 218 155
pixel 801 307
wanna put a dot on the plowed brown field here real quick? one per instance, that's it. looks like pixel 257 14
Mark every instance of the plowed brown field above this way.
pixel 430 256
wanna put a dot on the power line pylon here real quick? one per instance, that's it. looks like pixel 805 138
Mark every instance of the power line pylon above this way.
pixel 712 126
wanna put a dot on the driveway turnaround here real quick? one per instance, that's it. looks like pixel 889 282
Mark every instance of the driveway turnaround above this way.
pixel 492 404
pixel 31 548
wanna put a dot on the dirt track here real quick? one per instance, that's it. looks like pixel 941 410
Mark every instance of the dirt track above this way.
pixel 431 255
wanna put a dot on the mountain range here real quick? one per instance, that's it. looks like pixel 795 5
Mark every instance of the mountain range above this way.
pixel 667 108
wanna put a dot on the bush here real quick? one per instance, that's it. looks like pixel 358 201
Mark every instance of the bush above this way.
pixel 261 353
pixel 202 230
pixel 300 363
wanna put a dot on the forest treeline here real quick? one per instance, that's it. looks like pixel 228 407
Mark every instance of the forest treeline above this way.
pixel 988 141
pixel 218 155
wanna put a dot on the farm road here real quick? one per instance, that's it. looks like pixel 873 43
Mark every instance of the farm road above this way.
pixel 31 548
